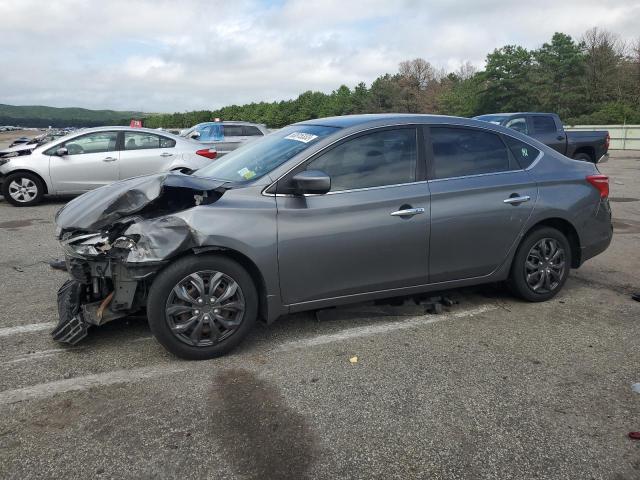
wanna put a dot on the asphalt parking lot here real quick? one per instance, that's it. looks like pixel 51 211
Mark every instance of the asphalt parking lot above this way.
pixel 493 388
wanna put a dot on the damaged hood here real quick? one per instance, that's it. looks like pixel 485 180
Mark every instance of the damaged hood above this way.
pixel 157 194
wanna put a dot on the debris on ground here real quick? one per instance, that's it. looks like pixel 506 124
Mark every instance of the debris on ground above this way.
pixel 636 297
pixel 636 387
pixel 437 303
pixel 634 435
pixel 353 359
pixel 58 264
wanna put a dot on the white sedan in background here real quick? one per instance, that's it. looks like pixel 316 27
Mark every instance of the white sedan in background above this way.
pixel 94 157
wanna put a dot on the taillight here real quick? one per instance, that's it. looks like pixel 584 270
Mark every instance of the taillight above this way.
pixel 607 141
pixel 601 182
pixel 208 152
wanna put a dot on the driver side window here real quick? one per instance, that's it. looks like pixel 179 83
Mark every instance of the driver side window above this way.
pixel 386 157
pixel 97 142
pixel 519 125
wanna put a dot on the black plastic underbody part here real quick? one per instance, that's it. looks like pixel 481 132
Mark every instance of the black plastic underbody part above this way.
pixel 71 328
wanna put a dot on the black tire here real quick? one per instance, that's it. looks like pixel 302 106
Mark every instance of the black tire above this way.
pixel 518 277
pixel 171 276
pixel 584 157
pixel 30 179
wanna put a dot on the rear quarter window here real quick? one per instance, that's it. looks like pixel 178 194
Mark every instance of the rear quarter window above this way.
pixel 524 153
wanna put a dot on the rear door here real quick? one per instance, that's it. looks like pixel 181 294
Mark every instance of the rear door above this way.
pixel 91 161
pixel 481 199
pixel 144 153
pixel 354 239
pixel 546 131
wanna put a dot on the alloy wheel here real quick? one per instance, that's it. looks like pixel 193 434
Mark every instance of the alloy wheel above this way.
pixel 545 265
pixel 204 308
pixel 23 190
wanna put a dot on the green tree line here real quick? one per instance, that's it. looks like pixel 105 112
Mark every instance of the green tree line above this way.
pixel 594 80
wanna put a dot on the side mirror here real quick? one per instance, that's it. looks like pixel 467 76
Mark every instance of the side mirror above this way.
pixel 311 181
pixel 62 151
pixel 195 134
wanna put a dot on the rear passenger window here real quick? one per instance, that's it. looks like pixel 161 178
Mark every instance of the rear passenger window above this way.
pixel 140 141
pixel 458 152
pixel 388 157
pixel 232 130
pixel 248 131
pixel 524 153
pixel 543 124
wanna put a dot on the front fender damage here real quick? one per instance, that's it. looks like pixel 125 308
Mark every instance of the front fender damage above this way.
pixel 116 238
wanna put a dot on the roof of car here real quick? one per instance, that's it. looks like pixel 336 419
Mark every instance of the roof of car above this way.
pixel 347 121
pixel 513 113
pixel 233 122
pixel 121 127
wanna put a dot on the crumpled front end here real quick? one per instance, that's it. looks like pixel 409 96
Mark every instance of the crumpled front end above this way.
pixel 116 239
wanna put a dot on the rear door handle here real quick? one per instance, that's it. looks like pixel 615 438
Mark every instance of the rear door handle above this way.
pixel 408 212
pixel 109 159
pixel 517 200
pixel 166 154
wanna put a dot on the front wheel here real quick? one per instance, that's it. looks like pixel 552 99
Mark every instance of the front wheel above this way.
pixel 541 265
pixel 23 189
pixel 202 307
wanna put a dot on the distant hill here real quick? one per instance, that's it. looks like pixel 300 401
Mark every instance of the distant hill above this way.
pixel 41 116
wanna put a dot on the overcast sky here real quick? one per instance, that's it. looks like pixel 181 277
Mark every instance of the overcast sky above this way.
pixel 159 56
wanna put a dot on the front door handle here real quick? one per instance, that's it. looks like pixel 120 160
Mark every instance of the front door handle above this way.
pixel 166 154
pixel 109 159
pixel 407 212
pixel 517 200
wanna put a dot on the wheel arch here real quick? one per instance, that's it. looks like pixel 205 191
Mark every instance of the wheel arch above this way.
pixel 249 265
pixel 569 231
pixel 30 172
pixel 586 150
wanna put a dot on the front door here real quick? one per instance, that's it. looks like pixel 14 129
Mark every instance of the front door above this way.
pixel 480 202
pixel 91 161
pixel 369 233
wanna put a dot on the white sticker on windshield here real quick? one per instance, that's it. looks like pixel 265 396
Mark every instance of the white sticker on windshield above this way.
pixel 301 137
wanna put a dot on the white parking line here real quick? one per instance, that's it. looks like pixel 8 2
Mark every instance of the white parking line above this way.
pixel 369 330
pixel 32 327
pixel 45 390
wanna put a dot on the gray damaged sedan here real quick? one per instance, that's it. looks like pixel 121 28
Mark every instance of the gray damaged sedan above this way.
pixel 327 212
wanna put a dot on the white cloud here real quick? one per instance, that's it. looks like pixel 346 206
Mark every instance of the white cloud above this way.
pixel 176 56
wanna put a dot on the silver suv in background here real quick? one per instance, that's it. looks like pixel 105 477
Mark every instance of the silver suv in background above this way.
pixel 226 136
pixel 94 157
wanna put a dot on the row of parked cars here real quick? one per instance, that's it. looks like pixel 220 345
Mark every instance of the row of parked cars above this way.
pixel 67 164
pixel 317 214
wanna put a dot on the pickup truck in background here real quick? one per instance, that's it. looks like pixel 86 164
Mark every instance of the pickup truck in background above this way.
pixel 547 128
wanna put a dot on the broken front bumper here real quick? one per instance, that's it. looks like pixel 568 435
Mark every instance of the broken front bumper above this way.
pixel 98 292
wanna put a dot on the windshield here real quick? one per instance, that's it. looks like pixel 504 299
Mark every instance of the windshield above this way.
pixel 497 119
pixel 255 159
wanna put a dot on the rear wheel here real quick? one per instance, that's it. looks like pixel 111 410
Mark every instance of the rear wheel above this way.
pixel 541 265
pixel 23 189
pixel 202 307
